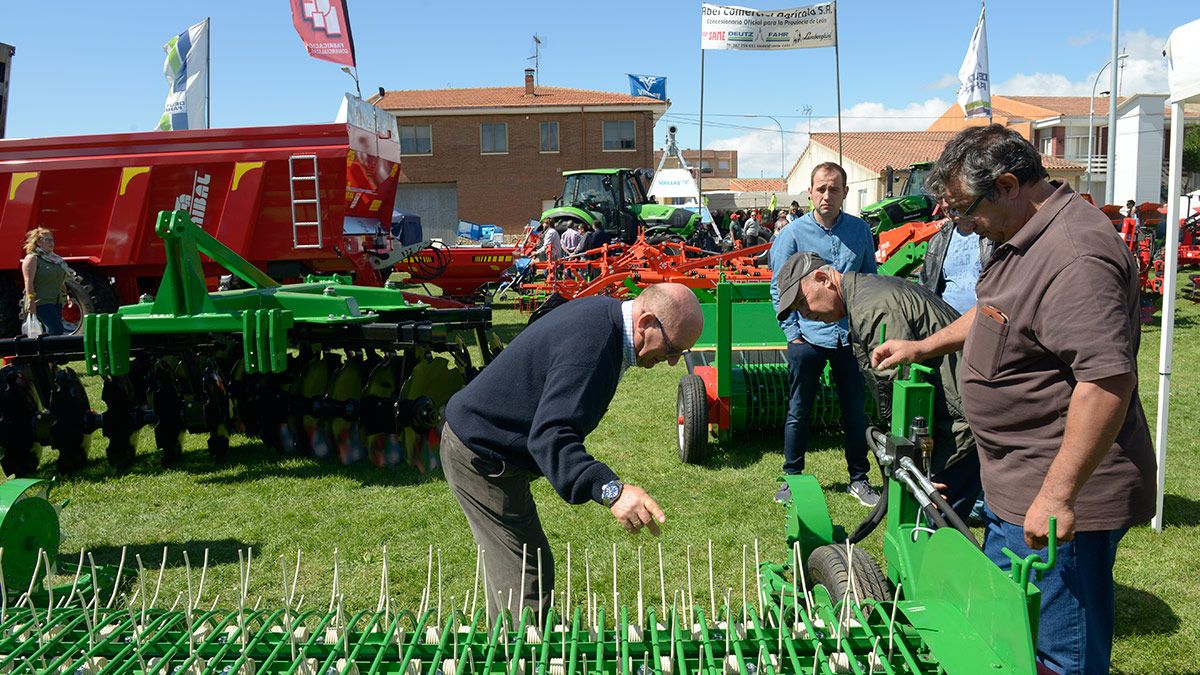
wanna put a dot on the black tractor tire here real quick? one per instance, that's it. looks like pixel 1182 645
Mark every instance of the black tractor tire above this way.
pixel 828 566
pixel 93 293
pixel 691 406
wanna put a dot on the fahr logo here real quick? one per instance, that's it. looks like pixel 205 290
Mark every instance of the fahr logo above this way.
pixel 323 15
pixel 196 204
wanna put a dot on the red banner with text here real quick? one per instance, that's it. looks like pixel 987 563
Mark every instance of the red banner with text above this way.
pixel 324 26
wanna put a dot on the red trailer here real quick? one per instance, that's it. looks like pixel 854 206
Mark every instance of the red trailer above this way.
pixel 290 199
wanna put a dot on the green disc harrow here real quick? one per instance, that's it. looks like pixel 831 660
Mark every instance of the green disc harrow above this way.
pixel 322 367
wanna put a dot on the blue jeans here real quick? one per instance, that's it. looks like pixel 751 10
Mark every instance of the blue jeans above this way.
pixel 1075 632
pixel 805 364
pixel 962 484
pixel 51 318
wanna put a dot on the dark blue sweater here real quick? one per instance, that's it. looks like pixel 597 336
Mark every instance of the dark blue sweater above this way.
pixel 536 402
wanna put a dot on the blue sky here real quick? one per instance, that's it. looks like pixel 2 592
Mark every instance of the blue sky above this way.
pixel 92 67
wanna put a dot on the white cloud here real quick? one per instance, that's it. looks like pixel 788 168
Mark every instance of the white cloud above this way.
pixel 1143 71
pixel 946 81
pixel 1081 40
pixel 758 150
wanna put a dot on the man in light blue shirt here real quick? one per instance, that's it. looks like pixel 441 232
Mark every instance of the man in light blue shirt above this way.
pixel 846 243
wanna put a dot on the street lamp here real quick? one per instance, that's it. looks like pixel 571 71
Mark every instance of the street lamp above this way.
pixel 353 73
pixel 1091 117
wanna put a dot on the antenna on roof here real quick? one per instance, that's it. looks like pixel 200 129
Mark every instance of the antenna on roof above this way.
pixel 536 58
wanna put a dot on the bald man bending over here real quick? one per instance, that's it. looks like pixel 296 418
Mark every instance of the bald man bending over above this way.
pixel 527 414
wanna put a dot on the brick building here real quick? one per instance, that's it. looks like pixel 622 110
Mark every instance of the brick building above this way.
pixel 496 154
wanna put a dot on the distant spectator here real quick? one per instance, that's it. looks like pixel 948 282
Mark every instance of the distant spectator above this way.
pixel 794 211
pixel 587 238
pixel 45 275
pixel 571 239
pixel 1130 209
pixel 551 244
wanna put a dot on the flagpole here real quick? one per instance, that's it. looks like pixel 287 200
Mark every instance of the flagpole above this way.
pixel 700 162
pixel 208 73
pixel 983 20
pixel 837 69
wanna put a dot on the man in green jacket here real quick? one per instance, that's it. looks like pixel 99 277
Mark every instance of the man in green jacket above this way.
pixel 876 307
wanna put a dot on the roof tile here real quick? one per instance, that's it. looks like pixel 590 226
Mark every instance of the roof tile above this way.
pixel 875 150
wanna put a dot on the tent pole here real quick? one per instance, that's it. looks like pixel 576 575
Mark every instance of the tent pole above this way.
pixel 1167 346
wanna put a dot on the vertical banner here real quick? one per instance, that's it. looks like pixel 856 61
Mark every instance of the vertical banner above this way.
pixel 654 86
pixel 324 26
pixel 727 27
pixel 186 69
pixel 975 91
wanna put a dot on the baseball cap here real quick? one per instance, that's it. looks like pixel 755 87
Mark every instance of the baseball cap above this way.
pixel 787 281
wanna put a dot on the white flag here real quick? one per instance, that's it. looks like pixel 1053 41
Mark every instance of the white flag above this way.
pixel 186 68
pixel 726 27
pixel 974 90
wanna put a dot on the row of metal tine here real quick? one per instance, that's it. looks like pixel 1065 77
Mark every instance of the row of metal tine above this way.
pixel 790 629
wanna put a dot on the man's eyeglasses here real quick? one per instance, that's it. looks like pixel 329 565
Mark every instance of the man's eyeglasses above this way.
pixel 954 214
pixel 672 352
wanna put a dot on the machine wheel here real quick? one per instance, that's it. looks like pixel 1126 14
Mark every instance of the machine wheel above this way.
pixel 90 294
pixel 691 407
pixel 167 402
pixel 827 566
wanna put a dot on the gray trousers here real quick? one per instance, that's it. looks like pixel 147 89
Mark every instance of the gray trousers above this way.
pixel 499 506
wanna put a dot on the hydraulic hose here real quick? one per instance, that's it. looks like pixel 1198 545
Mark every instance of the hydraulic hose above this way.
pixel 936 497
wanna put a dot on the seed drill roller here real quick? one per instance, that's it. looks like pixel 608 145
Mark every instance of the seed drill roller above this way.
pixel 321 367
pixel 823 606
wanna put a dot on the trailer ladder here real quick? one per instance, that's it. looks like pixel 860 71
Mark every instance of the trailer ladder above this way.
pixel 296 185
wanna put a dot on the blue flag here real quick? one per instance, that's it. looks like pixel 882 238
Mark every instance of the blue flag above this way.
pixel 654 86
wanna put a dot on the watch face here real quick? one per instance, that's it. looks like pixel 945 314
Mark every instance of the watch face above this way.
pixel 610 491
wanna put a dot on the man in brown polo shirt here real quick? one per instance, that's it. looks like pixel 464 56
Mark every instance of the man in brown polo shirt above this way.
pixel 1049 384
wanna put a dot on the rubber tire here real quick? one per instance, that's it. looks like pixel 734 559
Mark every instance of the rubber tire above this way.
pixel 94 294
pixel 691 407
pixel 827 567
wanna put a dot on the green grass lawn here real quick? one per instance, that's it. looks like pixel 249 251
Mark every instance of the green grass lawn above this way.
pixel 256 500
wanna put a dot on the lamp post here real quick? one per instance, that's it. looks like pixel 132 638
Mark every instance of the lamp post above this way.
pixel 1091 118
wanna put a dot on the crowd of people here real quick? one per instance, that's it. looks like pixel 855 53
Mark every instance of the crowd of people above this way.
pixel 1026 311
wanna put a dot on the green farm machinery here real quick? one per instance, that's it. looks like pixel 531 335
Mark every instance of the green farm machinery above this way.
pixel 738 378
pixel 616 200
pixel 824 606
pixel 912 205
pixel 321 367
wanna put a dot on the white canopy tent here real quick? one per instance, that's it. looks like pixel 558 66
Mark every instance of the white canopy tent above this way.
pixel 1183 74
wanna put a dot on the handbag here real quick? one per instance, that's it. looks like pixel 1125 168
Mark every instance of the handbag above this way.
pixel 31 327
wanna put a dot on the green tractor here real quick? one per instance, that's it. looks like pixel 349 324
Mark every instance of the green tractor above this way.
pixel 615 199
pixel 913 205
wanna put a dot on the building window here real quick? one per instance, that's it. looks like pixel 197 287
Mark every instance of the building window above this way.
pixel 549 137
pixel 1077 138
pixel 723 164
pixel 1046 146
pixel 706 166
pixel 619 135
pixel 416 140
pixel 493 138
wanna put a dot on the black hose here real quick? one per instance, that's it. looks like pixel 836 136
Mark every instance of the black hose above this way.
pixel 873 519
pixel 952 517
pixel 423 270
pixel 932 514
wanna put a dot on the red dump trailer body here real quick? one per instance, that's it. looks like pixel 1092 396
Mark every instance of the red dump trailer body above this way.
pixel 281 197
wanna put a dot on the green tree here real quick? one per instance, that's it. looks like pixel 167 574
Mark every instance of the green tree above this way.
pixel 1191 149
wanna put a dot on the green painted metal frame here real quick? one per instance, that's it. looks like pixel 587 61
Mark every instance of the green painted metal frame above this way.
pixel 262 314
pixel 906 260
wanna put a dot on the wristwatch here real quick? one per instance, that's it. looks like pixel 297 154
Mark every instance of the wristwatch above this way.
pixel 610 492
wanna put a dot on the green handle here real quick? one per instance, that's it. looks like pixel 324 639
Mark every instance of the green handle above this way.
pixel 1022 566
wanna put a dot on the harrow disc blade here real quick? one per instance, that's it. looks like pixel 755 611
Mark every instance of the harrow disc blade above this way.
pixel 437 379
pixel 245 397
pixel 18 413
pixel 218 409
pixel 120 423
pixel 306 428
pixel 70 411
pixel 166 398
pixel 386 449
pixel 344 434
